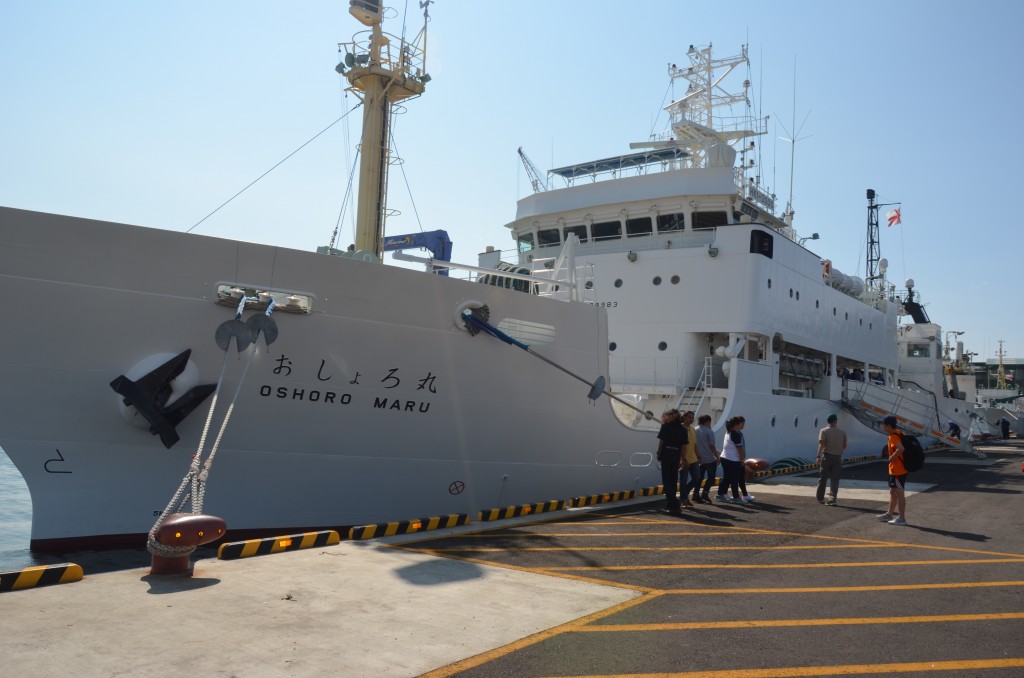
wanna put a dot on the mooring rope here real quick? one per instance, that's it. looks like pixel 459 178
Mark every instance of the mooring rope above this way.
pixel 196 477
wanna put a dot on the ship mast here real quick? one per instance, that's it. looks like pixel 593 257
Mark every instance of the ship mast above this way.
pixel 1000 371
pixel 382 70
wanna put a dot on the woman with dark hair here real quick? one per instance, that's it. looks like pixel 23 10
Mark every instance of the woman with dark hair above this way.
pixel 733 457
pixel 707 456
pixel 740 424
pixel 671 439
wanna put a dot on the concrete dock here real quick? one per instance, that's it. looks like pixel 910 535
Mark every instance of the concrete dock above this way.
pixel 524 597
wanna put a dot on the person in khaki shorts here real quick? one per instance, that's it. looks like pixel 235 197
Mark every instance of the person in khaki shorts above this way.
pixel 831 445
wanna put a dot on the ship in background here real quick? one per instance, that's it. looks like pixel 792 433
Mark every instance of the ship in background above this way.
pixel 661 278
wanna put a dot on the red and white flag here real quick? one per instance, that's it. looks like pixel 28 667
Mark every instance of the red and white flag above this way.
pixel 893 217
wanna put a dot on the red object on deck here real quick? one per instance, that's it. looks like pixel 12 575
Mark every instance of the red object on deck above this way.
pixel 184 531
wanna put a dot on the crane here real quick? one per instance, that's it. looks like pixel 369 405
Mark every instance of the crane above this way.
pixel 532 172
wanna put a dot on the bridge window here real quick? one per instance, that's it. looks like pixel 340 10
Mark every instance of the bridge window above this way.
pixel 548 236
pixel 918 351
pixel 704 220
pixel 606 230
pixel 579 231
pixel 671 222
pixel 525 241
pixel 641 226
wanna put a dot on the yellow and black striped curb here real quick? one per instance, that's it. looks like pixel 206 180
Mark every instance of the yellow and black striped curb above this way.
pixel 522 510
pixel 290 542
pixel 809 467
pixel 408 526
pixel 40 575
pixel 579 502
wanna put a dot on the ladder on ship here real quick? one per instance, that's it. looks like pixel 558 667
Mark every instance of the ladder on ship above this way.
pixel 916 412
pixel 693 398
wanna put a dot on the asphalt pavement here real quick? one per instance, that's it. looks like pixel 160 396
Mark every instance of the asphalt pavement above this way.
pixel 782 587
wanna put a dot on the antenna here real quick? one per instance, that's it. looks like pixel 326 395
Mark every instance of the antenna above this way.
pixel 793 138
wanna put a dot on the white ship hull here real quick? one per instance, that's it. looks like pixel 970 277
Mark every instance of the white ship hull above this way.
pixel 679 287
pixel 374 407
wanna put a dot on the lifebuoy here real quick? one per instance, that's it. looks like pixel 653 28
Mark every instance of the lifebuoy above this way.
pixel 826 268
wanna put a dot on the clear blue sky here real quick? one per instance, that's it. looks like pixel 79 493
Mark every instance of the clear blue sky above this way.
pixel 156 113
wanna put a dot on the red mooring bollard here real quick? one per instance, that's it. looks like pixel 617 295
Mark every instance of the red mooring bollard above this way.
pixel 184 531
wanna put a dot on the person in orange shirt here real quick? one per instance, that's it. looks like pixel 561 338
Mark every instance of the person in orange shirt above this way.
pixel 897 514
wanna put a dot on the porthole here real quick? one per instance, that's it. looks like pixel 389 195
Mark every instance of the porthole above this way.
pixel 589 285
pixel 870 326
pixel 815 422
pixel 846 316
pixel 861 321
pixel 773 421
pixel 790 292
pixel 618 282
pixel 612 346
pixel 817 304
pixel 675 280
pixel 798 295
pixel 796 421
pixel 662 345
pixel 833 308
pixel 657 280
pixel 769 283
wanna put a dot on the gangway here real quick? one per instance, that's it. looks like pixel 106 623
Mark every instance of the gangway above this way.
pixel 917 412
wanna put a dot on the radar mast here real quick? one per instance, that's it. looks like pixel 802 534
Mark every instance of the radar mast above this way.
pixel 382 70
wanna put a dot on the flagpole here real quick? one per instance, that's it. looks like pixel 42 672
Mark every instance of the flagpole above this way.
pixel 871 275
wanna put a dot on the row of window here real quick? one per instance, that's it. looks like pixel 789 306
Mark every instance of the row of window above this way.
pixel 611 230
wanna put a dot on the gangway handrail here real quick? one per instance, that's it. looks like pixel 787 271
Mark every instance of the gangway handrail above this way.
pixel 913 416
pixel 703 385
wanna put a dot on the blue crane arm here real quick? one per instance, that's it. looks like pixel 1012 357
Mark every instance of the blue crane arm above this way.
pixel 438 242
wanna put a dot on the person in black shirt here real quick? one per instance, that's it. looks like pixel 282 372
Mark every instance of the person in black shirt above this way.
pixel 671 438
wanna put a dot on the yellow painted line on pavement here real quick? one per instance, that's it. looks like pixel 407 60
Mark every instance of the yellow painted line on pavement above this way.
pixel 779 623
pixel 548 535
pixel 757 531
pixel 520 568
pixel 497 653
pixel 845 589
pixel 781 566
pixel 490 549
pixel 954 549
pixel 841 670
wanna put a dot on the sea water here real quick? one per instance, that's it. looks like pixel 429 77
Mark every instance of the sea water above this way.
pixel 16 534
pixel 15 518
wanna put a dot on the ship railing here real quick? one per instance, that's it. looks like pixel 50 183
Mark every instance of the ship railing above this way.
pixel 396 54
pixel 647 243
pixel 753 192
pixel 916 406
pixel 536 279
pixel 560 275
